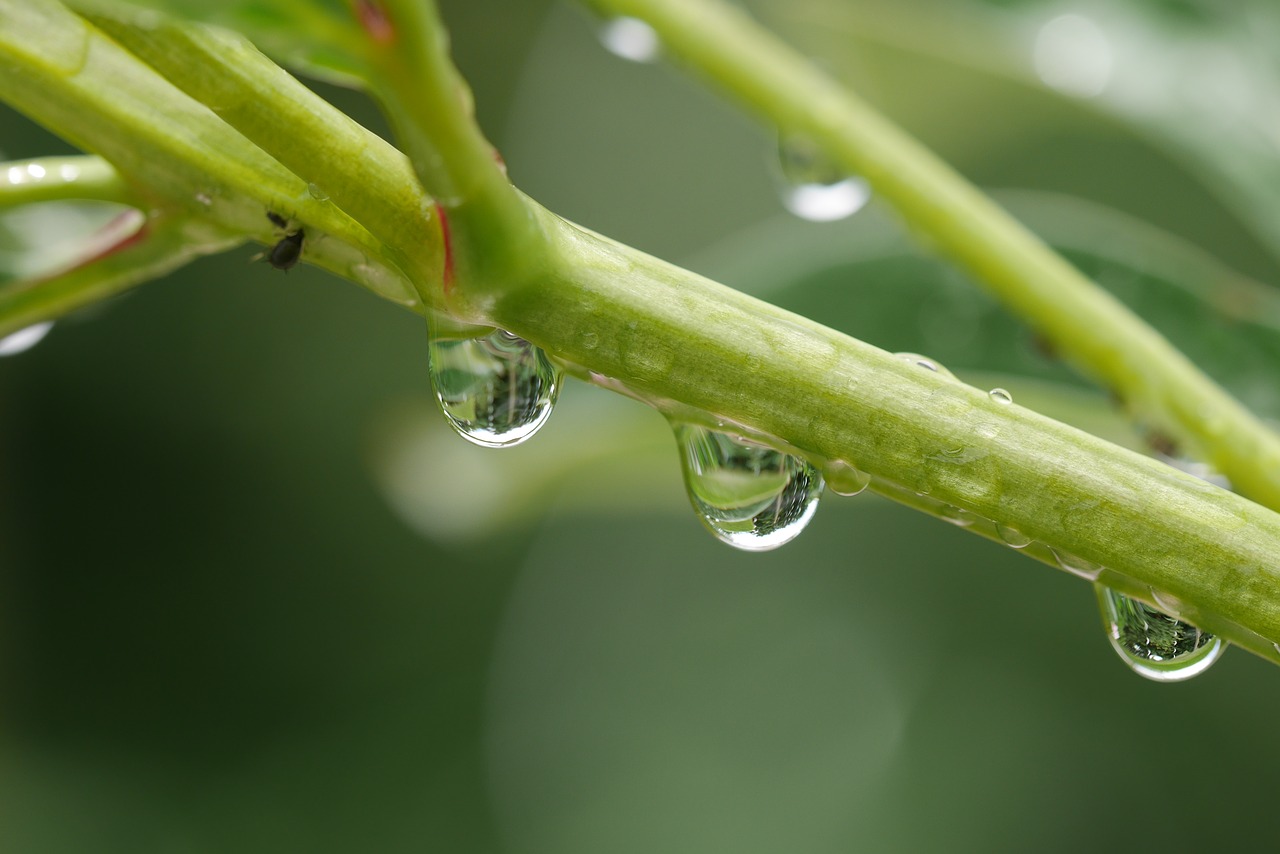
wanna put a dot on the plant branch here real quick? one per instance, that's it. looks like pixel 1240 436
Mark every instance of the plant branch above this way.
pixel 1085 323
pixel 492 235
pixel 61 179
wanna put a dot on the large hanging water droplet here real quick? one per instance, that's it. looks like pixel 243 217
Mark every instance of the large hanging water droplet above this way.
pixel 630 38
pixel 1154 644
pixel 24 339
pixel 750 496
pixel 495 391
pixel 816 189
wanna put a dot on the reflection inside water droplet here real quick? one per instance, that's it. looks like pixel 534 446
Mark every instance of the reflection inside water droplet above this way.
pixel 24 339
pixel 750 496
pixel 1152 643
pixel 816 189
pixel 1000 396
pixel 630 38
pixel 1077 565
pixel 496 391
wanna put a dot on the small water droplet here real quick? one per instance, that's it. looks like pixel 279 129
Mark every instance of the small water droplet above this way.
pixel 844 478
pixel 816 189
pixel 204 200
pixel 1014 538
pixel 957 516
pixel 590 340
pixel 1077 565
pixel 750 496
pixel 1152 643
pixel 24 339
pixel 631 39
pixel 496 391
pixel 926 363
pixel 317 193
pixel 999 395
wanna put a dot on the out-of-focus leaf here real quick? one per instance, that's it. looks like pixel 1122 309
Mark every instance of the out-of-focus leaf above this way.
pixel 319 37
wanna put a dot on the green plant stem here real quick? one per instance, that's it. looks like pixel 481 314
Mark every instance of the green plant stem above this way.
pixel 354 169
pixel 1085 323
pixel 700 351
pixel 60 179
pixel 495 238
pixel 692 348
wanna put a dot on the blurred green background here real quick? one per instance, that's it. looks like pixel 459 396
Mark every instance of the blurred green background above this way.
pixel 256 597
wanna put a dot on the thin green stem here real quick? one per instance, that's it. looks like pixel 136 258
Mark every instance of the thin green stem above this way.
pixel 60 179
pixel 1085 323
pixel 494 237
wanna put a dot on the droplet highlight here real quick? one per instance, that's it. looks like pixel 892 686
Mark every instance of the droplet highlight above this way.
pixel 631 39
pixel 750 496
pixel 24 339
pixel 814 188
pixel 1154 644
pixel 1000 396
pixel 1077 565
pixel 496 391
pixel 317 192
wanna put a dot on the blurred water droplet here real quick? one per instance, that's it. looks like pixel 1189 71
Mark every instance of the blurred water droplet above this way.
pixel 1077 565
pixel 315 191
pixel 750 496
pixel 845 479
pixel 957 516
pixel 926 363
pixel 999 395
pixel 24 339
pixel 1152 643
pixel 1013 537
pixel 495 391
pixel 1074 56
pixel 631 39
pixel 204 200
pixel 816 189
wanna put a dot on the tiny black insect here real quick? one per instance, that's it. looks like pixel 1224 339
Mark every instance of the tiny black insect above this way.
pixel 285 253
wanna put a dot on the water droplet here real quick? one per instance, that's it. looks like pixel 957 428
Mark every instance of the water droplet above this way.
pixel 845 479
pixel 816 189
pixel 999 395
pixel 590 340
pixel 495 391
pixel 926 363
pixel 1077 565
pixel 315 191
pixel 1154 644
pixel 630 38
pixel 1014 538
pixel 24 339
pixel 204 200
pixel 957 516
pixel 750 496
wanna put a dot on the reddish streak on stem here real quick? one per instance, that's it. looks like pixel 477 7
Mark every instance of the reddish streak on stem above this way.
pixel 374 20
pixel 447 242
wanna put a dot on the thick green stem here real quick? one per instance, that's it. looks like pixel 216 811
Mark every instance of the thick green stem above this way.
pixel 702 351
pixel 1085 323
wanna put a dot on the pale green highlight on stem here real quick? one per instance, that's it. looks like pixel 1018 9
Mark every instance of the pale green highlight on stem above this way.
pixel 60 179
pixel 1088 325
